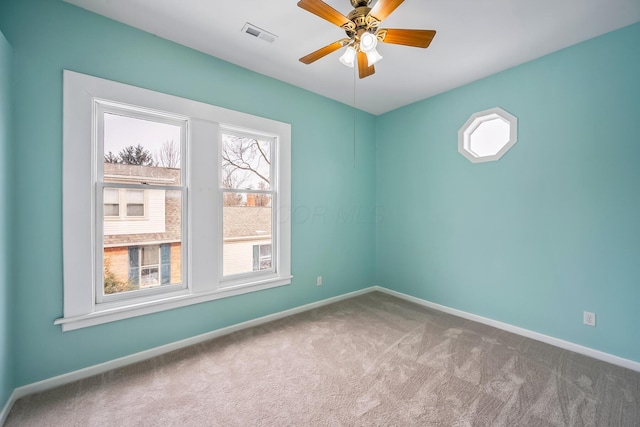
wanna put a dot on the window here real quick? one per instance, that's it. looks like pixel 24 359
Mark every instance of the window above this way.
pixel 143 191
pixel 187 202
pixel 150 266
pixel 111 202
pixel 247 195
pixel 133 200
pixel 487 135
pixel 261 257
pixel 135 203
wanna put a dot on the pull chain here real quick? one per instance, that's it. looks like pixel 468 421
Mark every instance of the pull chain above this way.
pixel 354 117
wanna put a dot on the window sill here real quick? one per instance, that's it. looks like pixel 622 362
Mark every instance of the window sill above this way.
pixel 99 317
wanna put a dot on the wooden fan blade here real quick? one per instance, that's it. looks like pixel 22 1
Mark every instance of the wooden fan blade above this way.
pixel 314 56
pixel 415 38
pixel 324 11
pixel 383 8
pixel 364 70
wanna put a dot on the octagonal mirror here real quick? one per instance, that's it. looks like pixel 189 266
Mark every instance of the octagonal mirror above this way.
pixel 487 135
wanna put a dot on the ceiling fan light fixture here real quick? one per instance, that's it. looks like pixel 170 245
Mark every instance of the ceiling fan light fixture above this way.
pixel 373 56
pixel 362 26
pixel 368 42
pixel 348 58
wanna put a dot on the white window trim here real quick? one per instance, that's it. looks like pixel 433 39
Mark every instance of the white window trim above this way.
pixel 476 119
pixel 205 120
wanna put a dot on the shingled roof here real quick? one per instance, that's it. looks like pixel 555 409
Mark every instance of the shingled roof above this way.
pixel 247 222
pixel 116 172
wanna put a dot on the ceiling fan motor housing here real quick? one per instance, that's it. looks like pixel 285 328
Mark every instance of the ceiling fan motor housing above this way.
pixel 362 21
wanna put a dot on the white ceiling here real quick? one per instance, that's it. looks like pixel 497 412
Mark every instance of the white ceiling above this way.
pixel 475 38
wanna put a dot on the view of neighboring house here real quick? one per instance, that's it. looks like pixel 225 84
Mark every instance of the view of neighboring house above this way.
pixel 142 230
pixel 247 237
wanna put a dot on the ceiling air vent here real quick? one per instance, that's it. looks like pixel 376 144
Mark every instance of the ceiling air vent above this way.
pixel 259 33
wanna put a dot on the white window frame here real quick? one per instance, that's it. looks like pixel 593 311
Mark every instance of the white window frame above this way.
pixel 101 107
pixel 234 280
pixel 481 118
pixel 260 245
pixel 203 210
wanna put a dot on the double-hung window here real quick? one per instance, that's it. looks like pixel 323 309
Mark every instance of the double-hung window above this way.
pixel 248 183
pixel 142 202
pixel 167 202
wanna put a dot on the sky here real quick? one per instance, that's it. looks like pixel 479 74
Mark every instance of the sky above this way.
pixel 122 131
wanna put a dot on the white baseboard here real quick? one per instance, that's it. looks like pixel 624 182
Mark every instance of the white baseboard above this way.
pixel 157 351
pixel 7 408
pixel 577 348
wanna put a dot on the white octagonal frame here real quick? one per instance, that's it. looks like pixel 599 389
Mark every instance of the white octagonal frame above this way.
pixel 474 122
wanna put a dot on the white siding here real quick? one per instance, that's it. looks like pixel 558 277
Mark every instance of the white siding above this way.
pixel 238 256
pixel 154 221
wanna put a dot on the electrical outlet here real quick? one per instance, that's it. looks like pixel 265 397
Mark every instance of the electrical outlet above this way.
pixel 319 281
pixel 589 318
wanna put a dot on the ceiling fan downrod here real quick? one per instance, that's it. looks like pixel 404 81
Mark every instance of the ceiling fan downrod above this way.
pixel 360 3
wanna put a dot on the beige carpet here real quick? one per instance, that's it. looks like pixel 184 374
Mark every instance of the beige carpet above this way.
pixel 373 360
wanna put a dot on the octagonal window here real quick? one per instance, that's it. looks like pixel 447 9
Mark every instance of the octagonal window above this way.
pixel 487 135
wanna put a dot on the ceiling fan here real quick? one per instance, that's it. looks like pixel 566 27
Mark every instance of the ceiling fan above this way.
pixel 361 26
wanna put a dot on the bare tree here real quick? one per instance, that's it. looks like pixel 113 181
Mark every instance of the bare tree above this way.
pixel 244 157
pixel 232 199
pixel 230 180
pixel 169 155
pixel 245 165
pixel 262 199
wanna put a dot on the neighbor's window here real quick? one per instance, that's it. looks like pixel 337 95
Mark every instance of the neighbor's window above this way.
pixel 111 202
pixel 150 265
pixel 133 201
pixel 167 202
pixel 261 257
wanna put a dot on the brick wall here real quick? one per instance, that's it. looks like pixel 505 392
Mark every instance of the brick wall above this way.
pixel 176 262
pixel 117 261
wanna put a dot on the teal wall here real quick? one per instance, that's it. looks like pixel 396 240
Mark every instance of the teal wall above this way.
pixel 547 232
pixel 534 239
pixel 328 189
pixel 6 381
